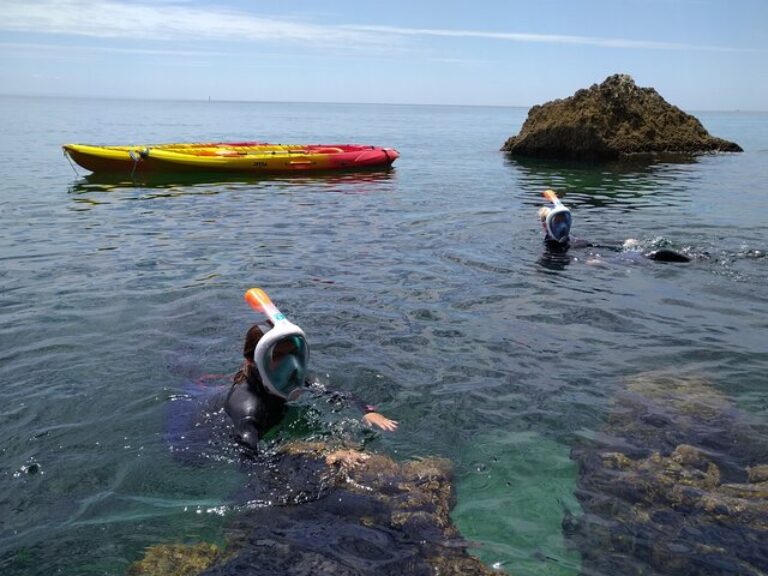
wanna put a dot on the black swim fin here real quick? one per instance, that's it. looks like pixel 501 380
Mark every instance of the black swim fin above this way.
pixel 667 256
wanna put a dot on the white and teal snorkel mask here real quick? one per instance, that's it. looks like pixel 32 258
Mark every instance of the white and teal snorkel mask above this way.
pixel 558 221
pixel 282 354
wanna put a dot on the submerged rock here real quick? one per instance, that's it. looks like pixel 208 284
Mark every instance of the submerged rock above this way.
pixel 610 120
pixel 675 485
pixel 341 513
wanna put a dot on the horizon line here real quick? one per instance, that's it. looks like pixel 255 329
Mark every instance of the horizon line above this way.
pixel 205 100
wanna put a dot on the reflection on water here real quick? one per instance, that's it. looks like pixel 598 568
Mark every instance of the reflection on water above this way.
pixel 171 185
pixel 94 190
pixel 627 183
pixel 555 260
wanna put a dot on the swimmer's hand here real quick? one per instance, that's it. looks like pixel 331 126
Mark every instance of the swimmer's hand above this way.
pixel 381 421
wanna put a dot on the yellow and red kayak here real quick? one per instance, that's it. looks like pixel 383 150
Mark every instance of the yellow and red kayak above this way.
pixel 253 157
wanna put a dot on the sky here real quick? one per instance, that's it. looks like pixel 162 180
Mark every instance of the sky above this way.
pixel 699 54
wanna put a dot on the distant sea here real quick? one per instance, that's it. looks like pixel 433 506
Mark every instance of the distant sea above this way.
pixel 424 290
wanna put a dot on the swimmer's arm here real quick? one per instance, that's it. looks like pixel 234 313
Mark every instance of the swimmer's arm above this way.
pixel 581 243
pixel 248 434
pixel 371 416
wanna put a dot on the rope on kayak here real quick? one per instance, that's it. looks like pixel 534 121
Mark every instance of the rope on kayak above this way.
pixel 66 155
pixel 136 158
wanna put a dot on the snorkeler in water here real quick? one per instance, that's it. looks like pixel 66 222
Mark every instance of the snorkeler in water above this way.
pixel 557 221
pixel 272 374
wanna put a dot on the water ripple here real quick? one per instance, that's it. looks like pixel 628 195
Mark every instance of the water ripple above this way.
pixel 425 290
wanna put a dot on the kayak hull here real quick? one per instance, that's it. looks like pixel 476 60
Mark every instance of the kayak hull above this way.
pixel 238 157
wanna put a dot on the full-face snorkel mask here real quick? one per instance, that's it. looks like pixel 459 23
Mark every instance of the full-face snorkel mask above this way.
pixel 558 221
pixel 282 354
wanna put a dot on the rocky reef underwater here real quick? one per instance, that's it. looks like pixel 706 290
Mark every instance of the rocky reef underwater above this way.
pixel 676 484
pixel 338 515
pixel 319 508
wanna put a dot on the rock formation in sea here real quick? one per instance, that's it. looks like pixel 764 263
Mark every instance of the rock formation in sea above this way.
pixel 611 120
pixel 676 484
pixel 321 514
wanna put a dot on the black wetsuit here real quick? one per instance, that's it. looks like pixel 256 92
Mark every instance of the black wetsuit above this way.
pixel 661 255
pixel 253 410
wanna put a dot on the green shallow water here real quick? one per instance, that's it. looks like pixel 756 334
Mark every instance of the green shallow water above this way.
pixel 423 290
pixel 520 522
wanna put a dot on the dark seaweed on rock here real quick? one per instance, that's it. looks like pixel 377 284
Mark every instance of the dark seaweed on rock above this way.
pixel 610 120
pixel 677 485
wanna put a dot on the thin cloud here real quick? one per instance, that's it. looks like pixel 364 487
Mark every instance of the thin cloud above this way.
pixel 27 46
pixel 175 20
pixel 543 38
pixel 468 61
pixel 113 19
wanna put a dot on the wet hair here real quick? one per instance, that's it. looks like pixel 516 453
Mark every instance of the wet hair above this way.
pixel 252 338
pixel 543 213
pixel 248 369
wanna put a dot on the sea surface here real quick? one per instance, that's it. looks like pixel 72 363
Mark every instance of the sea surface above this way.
pixel 425 290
